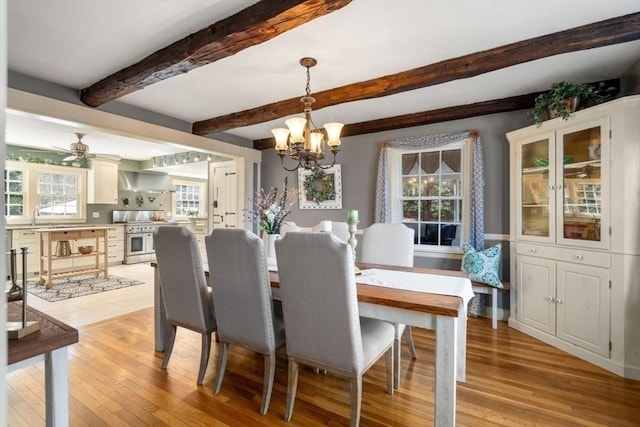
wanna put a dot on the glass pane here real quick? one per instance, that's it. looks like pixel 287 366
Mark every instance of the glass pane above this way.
pixel 429 210
pixel 582 184
pixel 15 210
pixel 535 188
pixel 15 199
pixel 410 164
pixel 430 186
pixel 451 210
pixel 15 175
pixel 15 187
pixel 409 210
pixel 450 185
pixel 430 162
pixel 451 161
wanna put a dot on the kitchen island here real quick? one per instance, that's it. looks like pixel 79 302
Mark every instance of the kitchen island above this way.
pixel 73 263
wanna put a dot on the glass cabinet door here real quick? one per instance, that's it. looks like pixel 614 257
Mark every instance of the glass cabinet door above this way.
pixel 582 170
pixel 537 180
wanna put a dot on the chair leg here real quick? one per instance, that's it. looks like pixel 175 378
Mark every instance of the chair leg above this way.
pixel 269 374
pixel 388 361
pixel 223 351
pixel 204 356
pixel 170 337
pixel 291 389
pixel 356 400
pixel 409 337
pixel 396 362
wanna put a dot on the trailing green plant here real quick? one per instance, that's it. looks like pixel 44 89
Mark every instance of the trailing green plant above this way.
pixel 565 97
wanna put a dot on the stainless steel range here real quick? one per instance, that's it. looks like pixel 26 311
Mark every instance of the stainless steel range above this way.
pixel 138 233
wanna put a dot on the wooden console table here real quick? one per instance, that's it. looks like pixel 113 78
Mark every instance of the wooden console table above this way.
pixel 49 344
pixel 50 236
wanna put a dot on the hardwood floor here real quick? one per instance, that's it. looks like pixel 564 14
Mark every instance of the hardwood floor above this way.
pixel 512 380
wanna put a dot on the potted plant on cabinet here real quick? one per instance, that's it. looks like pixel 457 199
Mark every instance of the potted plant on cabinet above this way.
pixel 564 98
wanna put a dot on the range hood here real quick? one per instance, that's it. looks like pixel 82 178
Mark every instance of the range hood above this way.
pixel 145 182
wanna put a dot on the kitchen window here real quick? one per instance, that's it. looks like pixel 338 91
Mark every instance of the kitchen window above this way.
pixel 15 197
pixel 431 194
pixel 60 193
pixel 189 198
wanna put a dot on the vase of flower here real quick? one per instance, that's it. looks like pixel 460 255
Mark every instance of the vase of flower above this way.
pixel 269 211
pixel 270 244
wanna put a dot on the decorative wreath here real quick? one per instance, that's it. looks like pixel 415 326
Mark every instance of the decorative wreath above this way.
pixel 320 186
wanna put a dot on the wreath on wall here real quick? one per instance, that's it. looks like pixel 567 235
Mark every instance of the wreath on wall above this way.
pixel 320 186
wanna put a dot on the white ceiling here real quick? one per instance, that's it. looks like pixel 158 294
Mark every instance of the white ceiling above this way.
pixel 77 42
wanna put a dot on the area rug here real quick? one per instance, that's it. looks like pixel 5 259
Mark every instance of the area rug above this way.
pixel 79 286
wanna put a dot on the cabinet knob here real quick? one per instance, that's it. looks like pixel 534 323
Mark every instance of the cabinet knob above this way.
pixel 550 299
pixel 579 257
pixel 533 251
pixel 558 301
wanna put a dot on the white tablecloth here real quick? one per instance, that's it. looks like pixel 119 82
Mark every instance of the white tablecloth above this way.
pixel 419 282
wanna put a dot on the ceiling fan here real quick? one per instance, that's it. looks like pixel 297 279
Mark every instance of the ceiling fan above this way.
pixel 79 150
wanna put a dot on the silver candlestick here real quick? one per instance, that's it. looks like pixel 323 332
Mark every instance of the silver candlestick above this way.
pixel 353 242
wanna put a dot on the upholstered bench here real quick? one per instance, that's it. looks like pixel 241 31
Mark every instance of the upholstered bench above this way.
pixel 481 288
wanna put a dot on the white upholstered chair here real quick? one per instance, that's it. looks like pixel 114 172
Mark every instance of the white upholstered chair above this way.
pixel 188 302
pixel 391 244
pixel 244 309
pixel 339 229
pixel 288 226
pixel 320 305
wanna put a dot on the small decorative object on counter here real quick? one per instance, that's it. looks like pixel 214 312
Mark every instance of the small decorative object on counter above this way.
pixel 352 215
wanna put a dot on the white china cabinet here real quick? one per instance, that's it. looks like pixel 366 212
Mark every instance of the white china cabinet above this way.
pixel 575 234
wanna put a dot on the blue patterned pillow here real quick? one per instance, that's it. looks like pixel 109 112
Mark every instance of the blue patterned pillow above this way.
pixel 483 266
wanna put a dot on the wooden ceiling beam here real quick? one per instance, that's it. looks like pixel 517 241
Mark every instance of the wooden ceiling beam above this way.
pixel 604 33
pixel 513 103
pixel 256 24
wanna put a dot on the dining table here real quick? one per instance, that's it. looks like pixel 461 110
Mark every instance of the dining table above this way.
pixel 420 297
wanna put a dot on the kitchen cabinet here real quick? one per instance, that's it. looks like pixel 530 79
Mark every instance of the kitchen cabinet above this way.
pixel 575 254
pixel 30 239
pixel 567 300
pixel 102 181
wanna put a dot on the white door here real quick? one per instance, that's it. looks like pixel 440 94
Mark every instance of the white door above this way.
pixel 583 306
pixel 536 293
pixel 224 196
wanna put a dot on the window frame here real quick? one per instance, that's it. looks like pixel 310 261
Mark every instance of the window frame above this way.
pixel 32 173
pixel 202 188
pixel 466 171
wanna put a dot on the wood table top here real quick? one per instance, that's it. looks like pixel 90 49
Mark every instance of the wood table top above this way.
pixel 443 305
pixel 52 335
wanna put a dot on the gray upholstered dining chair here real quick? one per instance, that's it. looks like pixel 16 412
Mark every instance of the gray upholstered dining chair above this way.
pixel 391 244
pixel 321 316
pixel 188 302
pixel 244 310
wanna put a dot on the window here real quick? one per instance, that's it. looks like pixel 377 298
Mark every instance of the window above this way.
pixel 14 192
pixel 189 199
pixel 430 194
pixel 58 194
pixel 44 193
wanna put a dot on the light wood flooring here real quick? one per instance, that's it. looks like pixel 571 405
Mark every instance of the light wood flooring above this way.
pixel 512 380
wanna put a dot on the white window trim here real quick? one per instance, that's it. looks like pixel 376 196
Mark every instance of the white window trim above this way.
pixel 203 197
pixel 31 193
pixel 395 177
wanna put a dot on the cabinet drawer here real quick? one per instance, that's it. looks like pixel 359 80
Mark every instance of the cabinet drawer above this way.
pixel 114 246
pixel 65 235
pixel 573 255
pixel 25 235
pixel 91 234
pixel 115 233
